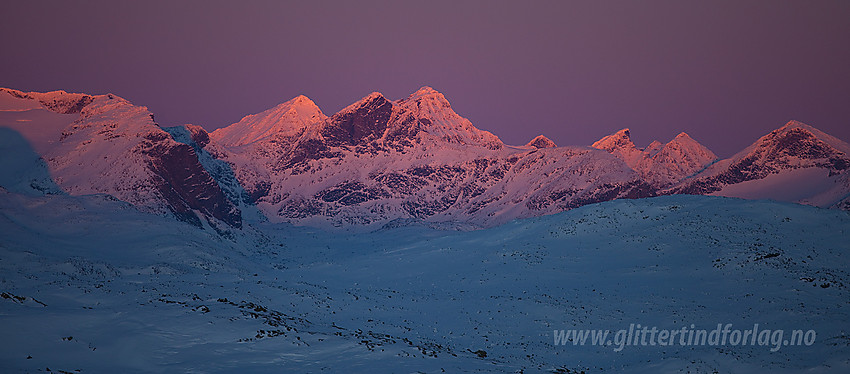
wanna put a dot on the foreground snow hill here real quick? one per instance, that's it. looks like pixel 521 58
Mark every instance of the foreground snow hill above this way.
pixel 91 284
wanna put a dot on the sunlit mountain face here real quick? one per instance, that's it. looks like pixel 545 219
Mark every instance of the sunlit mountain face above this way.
pixel 384 162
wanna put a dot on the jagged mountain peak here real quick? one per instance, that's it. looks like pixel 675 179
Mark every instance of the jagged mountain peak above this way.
pixel 541 141
pixel 427 93
pixel 370 98
pixel 435 116
pixel 427 99
pixel 618 140
pixel 659 164
pixel 800 129
pixel 795 162
pixel 683 135
pixel 425 90
pixel 683 140
pixel 795 139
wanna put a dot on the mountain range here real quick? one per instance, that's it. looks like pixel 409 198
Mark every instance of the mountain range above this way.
pixel 379 163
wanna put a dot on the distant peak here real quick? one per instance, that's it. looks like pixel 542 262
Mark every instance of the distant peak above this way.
pixel 287 119
pixel 619 139
pixel 300 101
pixel 427 93
pixel 683 137
pixel 792 124
pixel 541 141
pixel 373 96
pixel 425 90
pixel 795 133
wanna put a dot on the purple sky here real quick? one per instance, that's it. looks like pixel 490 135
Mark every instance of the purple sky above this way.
pixel 726 72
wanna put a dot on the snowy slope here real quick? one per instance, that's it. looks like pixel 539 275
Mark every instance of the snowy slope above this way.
pixel 288 119
pixel 795 163
pixel 661 165
pixel 380 162
pixel 92 285
pixel 105 144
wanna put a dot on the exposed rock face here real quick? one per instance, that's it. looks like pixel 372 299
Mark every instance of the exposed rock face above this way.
pixel 184 184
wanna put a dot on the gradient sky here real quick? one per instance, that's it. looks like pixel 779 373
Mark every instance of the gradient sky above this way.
pixel 726 72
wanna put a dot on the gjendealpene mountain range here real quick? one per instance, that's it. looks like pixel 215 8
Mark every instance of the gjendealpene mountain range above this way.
pixel 395 236
pixel 379 163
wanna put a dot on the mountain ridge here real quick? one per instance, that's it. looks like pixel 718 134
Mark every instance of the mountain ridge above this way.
pixel 379 162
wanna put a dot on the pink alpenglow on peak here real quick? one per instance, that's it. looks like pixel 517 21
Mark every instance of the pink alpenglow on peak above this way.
pixel 541 141
pixel 620 144
pixel 436 118
pixel 794 163
pixel 660 164
pixel 618 140
pixel 288 119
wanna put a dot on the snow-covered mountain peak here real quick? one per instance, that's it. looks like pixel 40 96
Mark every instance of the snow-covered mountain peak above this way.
pixel 795 162
pixel 685 143
pixel 434 115
pixel 425 90
pixel 374 99
pixel 683 135
pixel 798 140
pixel 541 141
pixel 618 140
pixel 659 164
pixel 795 130
pixel 427 93
pixel 288 119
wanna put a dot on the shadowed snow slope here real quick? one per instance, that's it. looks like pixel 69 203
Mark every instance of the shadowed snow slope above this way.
pixel 92 285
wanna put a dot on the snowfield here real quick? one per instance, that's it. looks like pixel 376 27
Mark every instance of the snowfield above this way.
pixel 90 284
